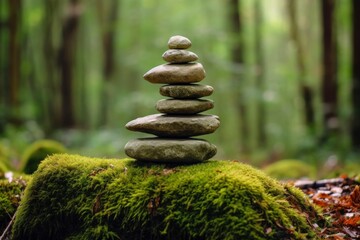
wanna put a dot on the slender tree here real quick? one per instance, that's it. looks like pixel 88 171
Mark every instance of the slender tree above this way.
pixel 355 132
pixel 329 66
pixel 237 57
pixel 305 90
pixel 46 92
pixel 108 15
pixel 3 67
pixel 14 56
pixel 67 61
pixel 260 71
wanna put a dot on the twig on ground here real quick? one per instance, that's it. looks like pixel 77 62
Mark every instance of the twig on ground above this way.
pixel 316 184
pixel 2 237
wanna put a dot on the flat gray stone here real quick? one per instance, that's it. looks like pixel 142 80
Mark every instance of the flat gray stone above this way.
pixel 176 73
pixel 165 150
pixel 179 56
pixel 189 106
pixel 186 91
pixel 163 125
pixel 179 42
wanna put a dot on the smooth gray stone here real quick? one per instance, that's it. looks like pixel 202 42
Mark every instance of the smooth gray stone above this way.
pixel 179 56
pixel 179 42
pixel 176 106
pixel 163 125
pixel 167 150
pixel 186 91
pixel 176 73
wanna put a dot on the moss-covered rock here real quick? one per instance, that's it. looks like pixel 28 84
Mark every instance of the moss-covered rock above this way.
pixel 290 169
pixel 74 197
pixel 10 196
pixel 37 152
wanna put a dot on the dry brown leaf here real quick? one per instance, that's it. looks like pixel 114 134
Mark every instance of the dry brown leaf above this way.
pixel 355 195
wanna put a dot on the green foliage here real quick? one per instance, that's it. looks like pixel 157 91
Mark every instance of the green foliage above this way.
pixel 351 169
pixel 10 196
pixel 37 152
pixel 290 169
pixel 3 169
pixel 5 156
pixel 75 197
pixel 139 32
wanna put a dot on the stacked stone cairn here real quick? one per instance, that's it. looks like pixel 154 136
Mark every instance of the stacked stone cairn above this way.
pixel 179 119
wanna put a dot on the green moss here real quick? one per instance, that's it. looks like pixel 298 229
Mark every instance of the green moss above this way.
pixel 74 197
pixel 10 196
pixel 37 152
pixel 289 169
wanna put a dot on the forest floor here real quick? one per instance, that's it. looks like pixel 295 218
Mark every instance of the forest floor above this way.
pixel 339 199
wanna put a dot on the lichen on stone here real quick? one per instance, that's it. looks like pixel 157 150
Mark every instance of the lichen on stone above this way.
pixel 75 197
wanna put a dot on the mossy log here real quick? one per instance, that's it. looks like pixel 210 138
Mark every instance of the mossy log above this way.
pixel 75 197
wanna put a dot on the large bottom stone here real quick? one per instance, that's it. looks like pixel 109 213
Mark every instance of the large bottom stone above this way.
pixel 170 150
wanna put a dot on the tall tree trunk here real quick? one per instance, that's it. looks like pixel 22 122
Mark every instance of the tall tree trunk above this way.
pixel 14 56
pixel 108 12
pixel 3 70
pixel 67 62
pixel 305 90
pixel 49 98
pixel 260 72
pixel 355 131
pixel 237 57
pixel 329 64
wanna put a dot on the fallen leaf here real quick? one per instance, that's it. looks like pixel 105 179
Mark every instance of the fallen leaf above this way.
pixel 97 205
pixel 320 202
pixel 353 221
pixel 355 195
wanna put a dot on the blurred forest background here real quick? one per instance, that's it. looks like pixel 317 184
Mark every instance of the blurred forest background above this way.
pixel 286 73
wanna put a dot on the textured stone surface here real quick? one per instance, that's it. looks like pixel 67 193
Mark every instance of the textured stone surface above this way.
pixel 175 125
pixel 175 106
pixel 170 150
pixel 179 56
pixel 186 91
pixel 176 73
pixel 179 42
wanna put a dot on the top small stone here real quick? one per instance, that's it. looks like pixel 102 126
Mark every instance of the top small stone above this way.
pixel 179 42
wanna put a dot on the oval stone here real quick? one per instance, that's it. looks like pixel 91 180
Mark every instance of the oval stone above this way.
pixel 179 42
pixel 170 150
pixel 175 106
pixel 163 125
pixel 179 56
pixel 186 91
pixel 176 73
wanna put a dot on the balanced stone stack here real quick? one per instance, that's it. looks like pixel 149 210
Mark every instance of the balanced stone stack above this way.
pixel 180 117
